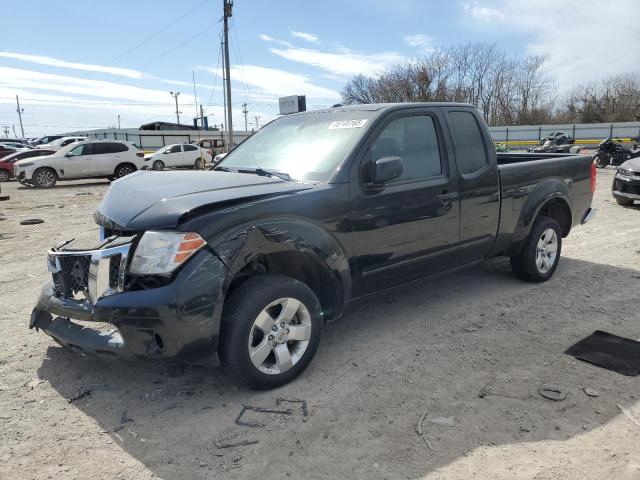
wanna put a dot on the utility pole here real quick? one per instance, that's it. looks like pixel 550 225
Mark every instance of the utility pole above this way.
pixel 202 117
pixel 118 121
pixel 20 110
pixel 245 111
pixel 257 120
pixel 228 7
pixel 175 96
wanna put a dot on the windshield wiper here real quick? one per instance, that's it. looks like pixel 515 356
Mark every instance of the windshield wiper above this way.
pixel 269 173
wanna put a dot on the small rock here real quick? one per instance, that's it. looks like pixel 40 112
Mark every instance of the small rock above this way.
pixel 591 392
pixel 444 421
pixel 202 464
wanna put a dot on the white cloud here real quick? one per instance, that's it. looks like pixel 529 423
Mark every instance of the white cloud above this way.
pixel 307 37
pixel 345 62
pixel 87 67
pixel 420 41
pixel 271 83
pixel 581 44
pixel 268 38
pixel 48 82
pixel 482 13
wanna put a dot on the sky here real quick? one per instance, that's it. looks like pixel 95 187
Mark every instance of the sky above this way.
pixel 78 65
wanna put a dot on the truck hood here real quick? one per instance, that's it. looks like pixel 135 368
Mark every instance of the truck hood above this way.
pixel 157 200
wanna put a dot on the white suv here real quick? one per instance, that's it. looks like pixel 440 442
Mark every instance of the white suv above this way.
pixel 61 143
pixel 86 159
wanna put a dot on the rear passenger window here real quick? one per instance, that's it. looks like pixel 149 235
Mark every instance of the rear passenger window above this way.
pixel 118 147
pixel 190 148
pixel 414 140
pixel 471 154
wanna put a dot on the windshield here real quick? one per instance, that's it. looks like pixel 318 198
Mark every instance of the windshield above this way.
pixel 307 147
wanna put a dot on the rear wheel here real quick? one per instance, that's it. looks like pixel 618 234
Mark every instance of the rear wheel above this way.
pixel 199 164
pixel 124 169
pixel 625 202
pixel 4 176
pixel 271 330
pixel 538 259
pixel 44 177
pixel 158 165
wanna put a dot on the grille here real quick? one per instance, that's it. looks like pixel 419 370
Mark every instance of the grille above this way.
pixel 626 188
pixel 114 270
pixel 73 277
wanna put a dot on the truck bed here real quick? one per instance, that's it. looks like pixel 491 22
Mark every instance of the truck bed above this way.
pixel 528 178
pixel 513 157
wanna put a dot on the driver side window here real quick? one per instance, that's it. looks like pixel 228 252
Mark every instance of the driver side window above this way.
pixel 175 149
pixel 79 150
pixel 415 141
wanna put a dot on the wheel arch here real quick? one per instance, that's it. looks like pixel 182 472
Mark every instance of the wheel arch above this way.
pixel 291 247
pixel 551 198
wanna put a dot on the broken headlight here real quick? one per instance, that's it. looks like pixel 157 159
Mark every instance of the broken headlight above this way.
pixel 160 253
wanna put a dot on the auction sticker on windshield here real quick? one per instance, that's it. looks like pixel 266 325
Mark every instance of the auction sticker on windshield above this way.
pixel 348 124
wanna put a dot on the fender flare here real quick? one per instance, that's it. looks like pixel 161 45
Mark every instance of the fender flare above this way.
pixel 541 195
pixel 240 245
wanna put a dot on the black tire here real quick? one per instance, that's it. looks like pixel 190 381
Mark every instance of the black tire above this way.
pixel 44 177
pixel 625 202
pixel 4 175
pixel 242 310
pixel 158 165
pixel 123 170
pixel 199 164
pixel 524 264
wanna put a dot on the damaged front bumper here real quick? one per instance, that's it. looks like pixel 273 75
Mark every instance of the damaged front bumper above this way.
pixel 177 322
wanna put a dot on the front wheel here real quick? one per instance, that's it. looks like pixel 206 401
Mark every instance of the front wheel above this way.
pixel 158 165
pixel 271 330
pixel 44 178
pixel 538 259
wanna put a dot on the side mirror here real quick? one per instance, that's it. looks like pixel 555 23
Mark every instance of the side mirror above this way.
pixel 386 169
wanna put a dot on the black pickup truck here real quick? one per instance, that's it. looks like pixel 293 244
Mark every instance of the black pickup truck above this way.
pixel 246 262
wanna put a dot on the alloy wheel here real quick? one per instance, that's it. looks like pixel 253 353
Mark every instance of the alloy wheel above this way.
pixel 546 250
pixel 279 336
pixel 45 178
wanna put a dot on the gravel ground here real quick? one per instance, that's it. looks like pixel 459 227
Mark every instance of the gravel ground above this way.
pixel 469 351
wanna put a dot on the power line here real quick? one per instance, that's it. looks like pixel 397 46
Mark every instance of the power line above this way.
pixel 239 55
pixel 215 75
pixel 155 34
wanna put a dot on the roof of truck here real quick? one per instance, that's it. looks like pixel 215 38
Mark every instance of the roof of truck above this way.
pixel 374 107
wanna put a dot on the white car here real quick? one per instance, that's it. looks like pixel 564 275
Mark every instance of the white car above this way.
pixel 20 147
pixel 85 159
pixel 178 155
pixel 61 143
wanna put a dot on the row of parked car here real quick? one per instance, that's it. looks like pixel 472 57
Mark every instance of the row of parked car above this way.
pixel 70 158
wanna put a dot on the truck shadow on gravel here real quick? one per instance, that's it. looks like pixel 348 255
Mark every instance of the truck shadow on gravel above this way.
pixel 470 351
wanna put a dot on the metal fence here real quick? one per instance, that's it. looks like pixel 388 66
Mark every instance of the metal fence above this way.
pixel 583 133
pixel 155 139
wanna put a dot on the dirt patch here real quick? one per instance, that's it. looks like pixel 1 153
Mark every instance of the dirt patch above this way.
pixel 466 357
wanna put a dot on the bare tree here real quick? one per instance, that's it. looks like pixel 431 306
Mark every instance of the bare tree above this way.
pixel 506 90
